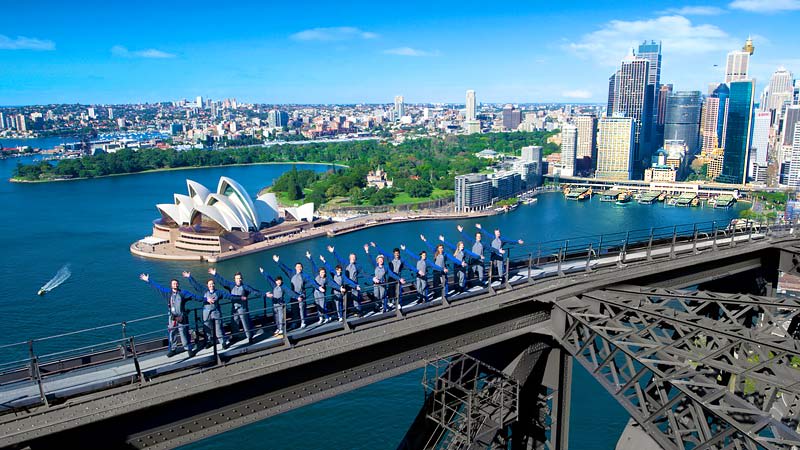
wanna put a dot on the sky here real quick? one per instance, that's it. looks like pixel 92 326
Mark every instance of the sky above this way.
pixel 527 51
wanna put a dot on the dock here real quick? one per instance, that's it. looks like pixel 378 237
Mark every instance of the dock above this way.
pixel 687 199
pixel 610 195
pixel 724 201
pixel 578 194
pixel 649 197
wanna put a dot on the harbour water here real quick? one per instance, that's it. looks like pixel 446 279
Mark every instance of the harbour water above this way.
pixel 89 224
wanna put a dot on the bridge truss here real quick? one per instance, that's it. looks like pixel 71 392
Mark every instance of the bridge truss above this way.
pixel 697 370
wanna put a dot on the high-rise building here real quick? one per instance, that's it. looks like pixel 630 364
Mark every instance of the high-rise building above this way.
pixel 399 107
pixel 632 99
pixel 471 123
pixel 91 113
pixel 587 140
pixel 708 124
pixel 737 132
pixel 277 118
pixel 682 121
pixel 512 117
pixel 110 113
pixel 569 147
pixel 737 66
pixel 471 110
pixel 505 184
pixel 615 143
pixel 473 192
pixel 794 162
pixel 661 112
pixel 779 91
pixel 759 145
pixel 612 92
pixel 532 153
pixel 790 121
pixel 651 51
pixel 722 92
pixel 2 121
pixel 21 123
pixel 199 102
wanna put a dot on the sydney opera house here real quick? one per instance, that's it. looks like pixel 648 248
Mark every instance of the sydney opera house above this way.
pixel 210 222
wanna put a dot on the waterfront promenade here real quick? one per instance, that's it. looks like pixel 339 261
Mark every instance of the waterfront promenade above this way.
pixel 292 232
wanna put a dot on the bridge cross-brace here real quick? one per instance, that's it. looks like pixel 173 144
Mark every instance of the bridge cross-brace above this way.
pixel 470 404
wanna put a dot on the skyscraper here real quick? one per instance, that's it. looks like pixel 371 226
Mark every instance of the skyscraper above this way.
pixel 738 63
pixel 708 125
pixel 399 107
pixel 759 142
pixel 587 141
pixel 615 143
pixel 794 161
pixel 779 91
pixel 651 51
pixel 790 121
pixel 569 146
pixel 199 101
pixel 512 117
pixel 2 121
pixel 683 119
pixel 612 92
pixel 632 99
pixel 737 132
pixel 470 113
pixel 661 113
pixel 277 118
pixel 471 124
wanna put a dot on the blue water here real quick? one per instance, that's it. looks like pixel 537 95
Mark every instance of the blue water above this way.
pixel 46 143
pixel 91 223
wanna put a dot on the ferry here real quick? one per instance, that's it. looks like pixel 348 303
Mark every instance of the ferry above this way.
pixel 624 197
pixel 531 201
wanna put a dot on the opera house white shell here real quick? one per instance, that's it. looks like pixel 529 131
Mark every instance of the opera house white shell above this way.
pixel 230 207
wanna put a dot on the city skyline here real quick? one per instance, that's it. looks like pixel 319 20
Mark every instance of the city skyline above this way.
pixel 340 56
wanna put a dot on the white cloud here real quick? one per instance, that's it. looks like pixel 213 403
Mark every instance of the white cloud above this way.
pixel 123 52
pixel 408 51
pixel 766 6
pixel 694 11
pixel 577 93
pixel 332 34
pixel 25 43
pixel 679 37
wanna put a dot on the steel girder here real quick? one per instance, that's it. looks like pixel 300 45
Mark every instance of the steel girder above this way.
pixel 696 370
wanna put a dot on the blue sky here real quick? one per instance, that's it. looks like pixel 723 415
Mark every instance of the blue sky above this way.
pixel 350 52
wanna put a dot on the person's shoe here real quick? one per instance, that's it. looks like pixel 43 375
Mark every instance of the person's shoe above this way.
pixel 171 353
pixel 320 321
pixel 226 345
pixel 192 352
pixel 341 320
pixel 279 334
pixel 302 325
pixel 209 344
pixel 249 340
pixel 327 319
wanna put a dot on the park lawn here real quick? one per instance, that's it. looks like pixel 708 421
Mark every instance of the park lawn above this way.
pixel 283 198
pixel 403 198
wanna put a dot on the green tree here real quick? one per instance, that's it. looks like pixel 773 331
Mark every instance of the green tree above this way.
pixel 418 188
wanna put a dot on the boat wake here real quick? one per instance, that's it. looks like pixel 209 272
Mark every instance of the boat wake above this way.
pixel 60 277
